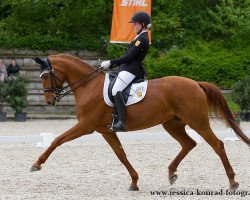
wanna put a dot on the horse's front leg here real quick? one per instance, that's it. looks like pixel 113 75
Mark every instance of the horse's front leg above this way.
pixel 77 131
pixel 115 144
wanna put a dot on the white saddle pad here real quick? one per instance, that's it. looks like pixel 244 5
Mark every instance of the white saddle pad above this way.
pixel 136 94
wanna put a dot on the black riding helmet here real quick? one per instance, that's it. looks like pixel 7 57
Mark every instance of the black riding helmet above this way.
pixel 143 18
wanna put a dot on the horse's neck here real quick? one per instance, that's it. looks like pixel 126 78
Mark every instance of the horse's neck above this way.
pixel 75 70
pixel 79 74
pixel 90 91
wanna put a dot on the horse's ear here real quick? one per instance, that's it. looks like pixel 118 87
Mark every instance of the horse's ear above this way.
pixel 41 62
pixel 38 60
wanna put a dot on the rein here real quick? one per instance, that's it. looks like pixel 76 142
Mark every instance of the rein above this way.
pixel 58 92
pixel 82 81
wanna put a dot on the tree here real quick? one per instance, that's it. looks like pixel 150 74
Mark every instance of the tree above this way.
pixel 55 24
pixel 167 30
pixel 230 20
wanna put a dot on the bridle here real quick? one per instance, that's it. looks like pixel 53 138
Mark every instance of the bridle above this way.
pixel 60 92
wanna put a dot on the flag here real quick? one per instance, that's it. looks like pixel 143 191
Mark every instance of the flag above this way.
pixel 122 31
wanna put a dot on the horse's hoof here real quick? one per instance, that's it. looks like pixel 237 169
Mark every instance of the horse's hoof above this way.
pixel 133 188
pixel 234 186
pixel 35 168
pixel 172 179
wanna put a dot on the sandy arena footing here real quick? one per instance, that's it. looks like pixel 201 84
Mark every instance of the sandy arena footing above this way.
pixel 90 170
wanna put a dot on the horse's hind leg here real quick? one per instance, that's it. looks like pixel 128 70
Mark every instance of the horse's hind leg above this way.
pixel 115 144
pixel 218 147
pixel 176 128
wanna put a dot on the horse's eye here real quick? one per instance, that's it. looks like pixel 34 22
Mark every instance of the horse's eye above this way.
pixel 45 76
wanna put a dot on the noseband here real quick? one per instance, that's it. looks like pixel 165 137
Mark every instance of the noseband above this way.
pixel 57 91
pixel 60 92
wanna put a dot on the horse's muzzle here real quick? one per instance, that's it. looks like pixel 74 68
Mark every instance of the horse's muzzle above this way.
pixel 51 101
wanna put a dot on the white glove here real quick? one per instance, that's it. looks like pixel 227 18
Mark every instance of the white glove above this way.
pixel 105 64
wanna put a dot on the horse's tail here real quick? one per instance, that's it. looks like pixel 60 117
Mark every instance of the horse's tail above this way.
pixel 218 105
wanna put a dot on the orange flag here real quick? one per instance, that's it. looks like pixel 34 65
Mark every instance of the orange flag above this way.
pixel 122 31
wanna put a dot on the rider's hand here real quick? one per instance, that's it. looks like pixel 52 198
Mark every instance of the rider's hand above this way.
pixel 105 64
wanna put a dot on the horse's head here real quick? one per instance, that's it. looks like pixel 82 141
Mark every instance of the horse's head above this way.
pixel 51 81
pixel 61 68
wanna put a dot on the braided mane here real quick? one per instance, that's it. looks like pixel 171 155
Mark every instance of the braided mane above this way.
pixel 73 58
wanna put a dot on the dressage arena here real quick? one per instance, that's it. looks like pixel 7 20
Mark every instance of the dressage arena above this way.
pixel 87 168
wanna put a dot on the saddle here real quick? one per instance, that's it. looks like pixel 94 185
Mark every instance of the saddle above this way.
pixel 133 93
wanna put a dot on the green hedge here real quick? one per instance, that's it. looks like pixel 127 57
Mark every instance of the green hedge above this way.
pixel 202 61
pixel 241 94
pixel 74 24
pixel 54 24
pixel 199 60
pixel 47 42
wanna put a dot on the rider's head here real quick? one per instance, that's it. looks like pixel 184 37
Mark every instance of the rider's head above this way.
pixel 143 19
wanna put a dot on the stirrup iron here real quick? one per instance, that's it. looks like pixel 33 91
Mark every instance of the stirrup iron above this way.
pixel 110 127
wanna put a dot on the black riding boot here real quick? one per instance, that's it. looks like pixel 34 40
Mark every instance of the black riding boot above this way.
pixel 120 107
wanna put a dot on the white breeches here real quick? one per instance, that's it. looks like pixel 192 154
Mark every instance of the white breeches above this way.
pixel 1 77
pixel 124 78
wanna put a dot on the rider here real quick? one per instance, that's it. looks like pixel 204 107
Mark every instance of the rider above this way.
pixel 130 64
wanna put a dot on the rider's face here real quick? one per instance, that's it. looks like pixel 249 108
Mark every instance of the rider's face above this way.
pixel 137 27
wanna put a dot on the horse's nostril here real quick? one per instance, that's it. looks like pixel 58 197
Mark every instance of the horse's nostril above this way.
pixel 48 102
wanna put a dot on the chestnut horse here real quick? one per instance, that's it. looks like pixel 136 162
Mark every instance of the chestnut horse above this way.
pixel 171 101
